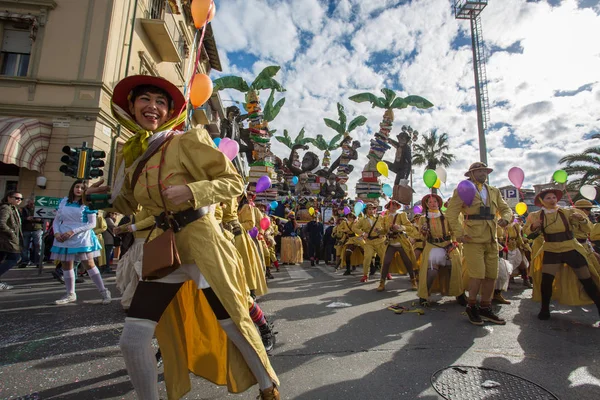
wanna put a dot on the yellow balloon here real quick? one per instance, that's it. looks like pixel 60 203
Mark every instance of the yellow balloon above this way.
pixel 311 211
pixel 382 168
pixel 437 184
pixel 521 208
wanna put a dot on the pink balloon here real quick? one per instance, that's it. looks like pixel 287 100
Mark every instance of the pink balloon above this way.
pixel 265 223
pixel 229 147
pixel 516 176
pixel 263 183
pixel 466 191
pixel 253 232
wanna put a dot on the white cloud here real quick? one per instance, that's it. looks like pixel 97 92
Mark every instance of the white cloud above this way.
pixel 342 44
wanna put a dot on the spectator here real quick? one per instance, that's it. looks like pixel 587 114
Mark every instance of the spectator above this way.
pixel 314 238
pixel 10 234
pixel 329 242
pixel 109 241
pixel 32 235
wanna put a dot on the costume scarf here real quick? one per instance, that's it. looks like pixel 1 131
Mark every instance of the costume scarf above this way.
pixel 138 143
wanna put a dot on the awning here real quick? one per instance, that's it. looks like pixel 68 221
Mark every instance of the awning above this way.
pixel 24 142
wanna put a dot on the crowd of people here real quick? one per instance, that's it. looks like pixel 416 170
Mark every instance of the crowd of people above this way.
pixel 194 242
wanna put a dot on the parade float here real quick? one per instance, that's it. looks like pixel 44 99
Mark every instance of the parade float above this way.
pixel 369 187
pixel 261 160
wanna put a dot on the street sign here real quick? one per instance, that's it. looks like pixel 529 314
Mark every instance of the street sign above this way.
pixel 46 207
pixel 45 201
pixel 510 193
pixel 45 212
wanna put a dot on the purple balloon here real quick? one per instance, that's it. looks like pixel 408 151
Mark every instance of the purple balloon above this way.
pixel 417 209
pixel 253 232
pixel 466 191
pixel 263 183
pixel 346 210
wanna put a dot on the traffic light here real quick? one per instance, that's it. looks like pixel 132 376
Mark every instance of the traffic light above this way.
pixel 96 163
pixel 70 161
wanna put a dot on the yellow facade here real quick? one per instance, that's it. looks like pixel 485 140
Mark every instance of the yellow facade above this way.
pixel 79 51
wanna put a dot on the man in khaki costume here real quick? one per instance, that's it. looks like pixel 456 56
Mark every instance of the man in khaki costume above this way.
pixel 478 235
pixel 370 229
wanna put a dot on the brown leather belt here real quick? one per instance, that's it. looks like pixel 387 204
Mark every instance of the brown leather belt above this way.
pixel 558 237
pixel 442 240
pixel 179 220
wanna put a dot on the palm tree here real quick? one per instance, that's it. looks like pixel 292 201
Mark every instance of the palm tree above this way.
pixel 342 130
pixel 585 164
pixel 389 102
pixel 258 120
pixel 299 140
pixel 433 151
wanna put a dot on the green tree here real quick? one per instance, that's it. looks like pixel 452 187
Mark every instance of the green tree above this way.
pixel 584 165
pixel 432 151
pixel 299 140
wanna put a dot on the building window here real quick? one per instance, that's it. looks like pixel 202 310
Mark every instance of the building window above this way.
pixel 16 50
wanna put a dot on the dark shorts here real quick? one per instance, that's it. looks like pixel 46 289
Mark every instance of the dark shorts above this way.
pixel 572 258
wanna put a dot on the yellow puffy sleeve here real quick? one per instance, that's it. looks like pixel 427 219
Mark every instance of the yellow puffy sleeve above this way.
pixel 215 177
pixel 246 217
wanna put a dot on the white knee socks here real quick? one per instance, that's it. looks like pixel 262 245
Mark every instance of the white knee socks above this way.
pixel 69 278
pixel 248 352
pixel 136 345
pixel 95 276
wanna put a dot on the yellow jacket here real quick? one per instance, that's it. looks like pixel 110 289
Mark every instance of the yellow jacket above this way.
pixel 189 335
pixel 554 224
pixel 480 231
pixel 246 217
pixel 512 237
pixel 364 225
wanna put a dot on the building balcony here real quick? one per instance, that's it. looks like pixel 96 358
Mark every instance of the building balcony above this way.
pixel 161 26
pixel 210 115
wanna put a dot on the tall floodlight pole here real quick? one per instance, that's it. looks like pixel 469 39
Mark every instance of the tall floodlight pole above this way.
pixel 470 9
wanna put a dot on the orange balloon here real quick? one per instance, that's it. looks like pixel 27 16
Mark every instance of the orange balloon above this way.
pixel 200 9
pixel 201 90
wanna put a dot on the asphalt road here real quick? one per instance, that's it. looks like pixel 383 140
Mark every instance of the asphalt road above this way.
pixel 336 340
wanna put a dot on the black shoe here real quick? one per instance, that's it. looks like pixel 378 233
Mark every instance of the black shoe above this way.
pixel 23 265
pixel 312 263
pixel 424 303
pixel 462 300
pixel 487 314
pixel 473 314
pixel 78 280
pixel 544 314
pixel 347 272
pixel 269 275
pixel 57 276
pixel 268 336
pixel 354 268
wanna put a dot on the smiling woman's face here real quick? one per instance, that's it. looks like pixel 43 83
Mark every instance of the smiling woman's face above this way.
pixel 150 110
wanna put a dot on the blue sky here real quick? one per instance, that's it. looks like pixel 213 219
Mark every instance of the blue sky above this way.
pixel 543 63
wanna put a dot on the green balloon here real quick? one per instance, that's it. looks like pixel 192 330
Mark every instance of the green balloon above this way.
pixel 560 176
pixel 430 177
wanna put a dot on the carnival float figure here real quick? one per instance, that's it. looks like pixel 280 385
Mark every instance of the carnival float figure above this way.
pixel 301 168
pixel 262 159
pixel 368 186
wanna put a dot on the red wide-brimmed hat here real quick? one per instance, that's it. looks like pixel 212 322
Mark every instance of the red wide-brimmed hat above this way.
pixel 123 89
pixel 543 193
pixel 396 202
pixel 426 197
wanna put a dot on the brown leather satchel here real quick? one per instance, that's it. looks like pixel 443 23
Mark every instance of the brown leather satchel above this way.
pixel 160 254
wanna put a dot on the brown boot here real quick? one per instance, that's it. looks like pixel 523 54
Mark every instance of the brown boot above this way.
pixel 381 286
pixel 413 284
pixel 269 394
pixel 498 298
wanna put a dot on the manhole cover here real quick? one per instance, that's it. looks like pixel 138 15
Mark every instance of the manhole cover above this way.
pixel 459 382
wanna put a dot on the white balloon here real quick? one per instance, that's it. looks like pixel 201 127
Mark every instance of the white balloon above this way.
pixel 588 191
pixel 441 174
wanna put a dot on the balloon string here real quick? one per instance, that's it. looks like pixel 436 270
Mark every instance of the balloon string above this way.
pixel 198 56
pixel 569 196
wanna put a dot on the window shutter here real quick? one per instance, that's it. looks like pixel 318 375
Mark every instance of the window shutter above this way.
pixel 16 41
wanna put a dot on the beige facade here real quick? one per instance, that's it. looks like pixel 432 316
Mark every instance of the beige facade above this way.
pixel 78 51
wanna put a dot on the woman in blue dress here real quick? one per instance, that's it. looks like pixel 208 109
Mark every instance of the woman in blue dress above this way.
pixel 74 240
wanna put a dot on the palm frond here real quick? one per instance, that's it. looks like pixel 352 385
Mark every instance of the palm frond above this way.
pixel 356 122
pixel 341 115
pixel 370 97
pixel 334 125
pixel 390 95
pixel 333 144
pixel 230 82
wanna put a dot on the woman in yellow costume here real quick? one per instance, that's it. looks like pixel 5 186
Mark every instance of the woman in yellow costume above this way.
pixel 339 238
pixel 352 247
pixel 263 238
pixel 560 266
pixel 441 265
pixel 416 238
pixel 396 226
pixel 291 244
pixel 203 306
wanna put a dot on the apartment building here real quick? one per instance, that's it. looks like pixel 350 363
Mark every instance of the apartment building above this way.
pixel 59 62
